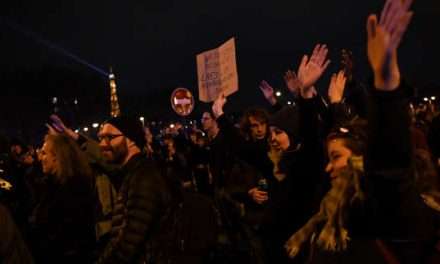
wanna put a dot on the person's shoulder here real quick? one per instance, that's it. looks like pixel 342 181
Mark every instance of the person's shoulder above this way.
pixel 146 168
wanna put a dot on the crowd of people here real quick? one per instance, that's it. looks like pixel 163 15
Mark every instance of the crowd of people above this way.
pixel 341 179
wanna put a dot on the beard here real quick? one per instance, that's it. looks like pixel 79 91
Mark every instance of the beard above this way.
pixel 115 154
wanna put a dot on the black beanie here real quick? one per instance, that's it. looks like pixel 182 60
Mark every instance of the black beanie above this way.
pixel 131 127
pixel 287 119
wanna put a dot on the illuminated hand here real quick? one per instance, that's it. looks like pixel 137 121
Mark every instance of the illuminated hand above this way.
pixel 310 70
pixel 268 92
pixel 384 39
pixel 217 106
pixel 292 82
pixel 336 88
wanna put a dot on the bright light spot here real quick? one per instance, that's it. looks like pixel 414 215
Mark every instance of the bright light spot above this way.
pixel 172 126
pixel 278 93
pixel 77 131
pixel 54 100
pixel 86 129
pixel 111 76
pixel 343 130
pixel 142 118
pixel 425 99
pixel 432 98
pixel 75 102
pixel 289 102
pixel 95 125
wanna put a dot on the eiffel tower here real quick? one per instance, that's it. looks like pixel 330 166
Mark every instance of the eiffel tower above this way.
pixel 115 110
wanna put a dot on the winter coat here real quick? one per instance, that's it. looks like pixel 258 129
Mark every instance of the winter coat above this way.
pixel 62 223
pixel 142 201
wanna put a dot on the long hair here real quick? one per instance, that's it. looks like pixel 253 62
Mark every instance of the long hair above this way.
pixel 71 161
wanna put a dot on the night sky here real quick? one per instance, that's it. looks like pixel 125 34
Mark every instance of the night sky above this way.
pixel 152 47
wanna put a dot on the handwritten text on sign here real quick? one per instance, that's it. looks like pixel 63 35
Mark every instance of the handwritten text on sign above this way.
pixel 217 72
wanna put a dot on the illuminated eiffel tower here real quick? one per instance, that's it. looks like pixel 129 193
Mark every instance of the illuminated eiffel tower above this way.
pixel 115 110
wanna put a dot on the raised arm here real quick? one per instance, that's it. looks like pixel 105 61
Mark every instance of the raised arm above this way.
pixel 389 135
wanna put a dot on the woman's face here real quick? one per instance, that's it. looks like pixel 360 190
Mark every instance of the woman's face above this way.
pixel 48 159
pixel 338 155
pixel 279 140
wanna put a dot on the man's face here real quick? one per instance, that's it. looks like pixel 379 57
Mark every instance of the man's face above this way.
pixel 113 144
pixel 258 128
pixel 207 121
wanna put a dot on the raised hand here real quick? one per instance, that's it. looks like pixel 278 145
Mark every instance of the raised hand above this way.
pixel 268 92
pixel 347 63
pixel 310 70
pixel 336 88
pixel 51 130
pixel 384 39
pixel 62 127
pixel 217 106
pixel 292 82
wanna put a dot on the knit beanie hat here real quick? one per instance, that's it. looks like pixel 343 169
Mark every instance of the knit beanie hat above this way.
pixel 287 119
pixel 131 128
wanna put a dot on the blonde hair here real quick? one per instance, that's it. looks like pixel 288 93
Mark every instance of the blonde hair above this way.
pixel 70 160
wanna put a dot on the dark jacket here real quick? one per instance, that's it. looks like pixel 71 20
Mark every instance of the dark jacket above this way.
pixel 142 201
pixel 293 200
pixel 62 223
pixel 12 246
pixel 222 151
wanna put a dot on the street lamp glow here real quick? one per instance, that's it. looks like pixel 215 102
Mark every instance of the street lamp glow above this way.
pixel 278 93
pixel 142 118
pixel 172 126
pixel 433 98
pixel 54 100
pixel 77 131
pixel 289 102
pixel 86 129
pixel 425 99
pixel 95 125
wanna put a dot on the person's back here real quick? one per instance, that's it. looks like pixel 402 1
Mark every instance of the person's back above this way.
pixel 12 246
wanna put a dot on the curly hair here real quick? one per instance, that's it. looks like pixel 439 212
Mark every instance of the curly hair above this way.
pixel 71 161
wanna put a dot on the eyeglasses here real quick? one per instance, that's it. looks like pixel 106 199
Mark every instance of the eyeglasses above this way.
pixel 109 137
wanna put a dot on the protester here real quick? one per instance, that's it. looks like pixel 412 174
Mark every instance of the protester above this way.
pixel 12 246
pixel 143 197
pixel 373 212
pixel 62 223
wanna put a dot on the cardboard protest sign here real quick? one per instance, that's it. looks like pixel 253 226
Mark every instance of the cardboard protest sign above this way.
pixel 217 72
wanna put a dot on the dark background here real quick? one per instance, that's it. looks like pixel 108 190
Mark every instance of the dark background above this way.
pixel 152 47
